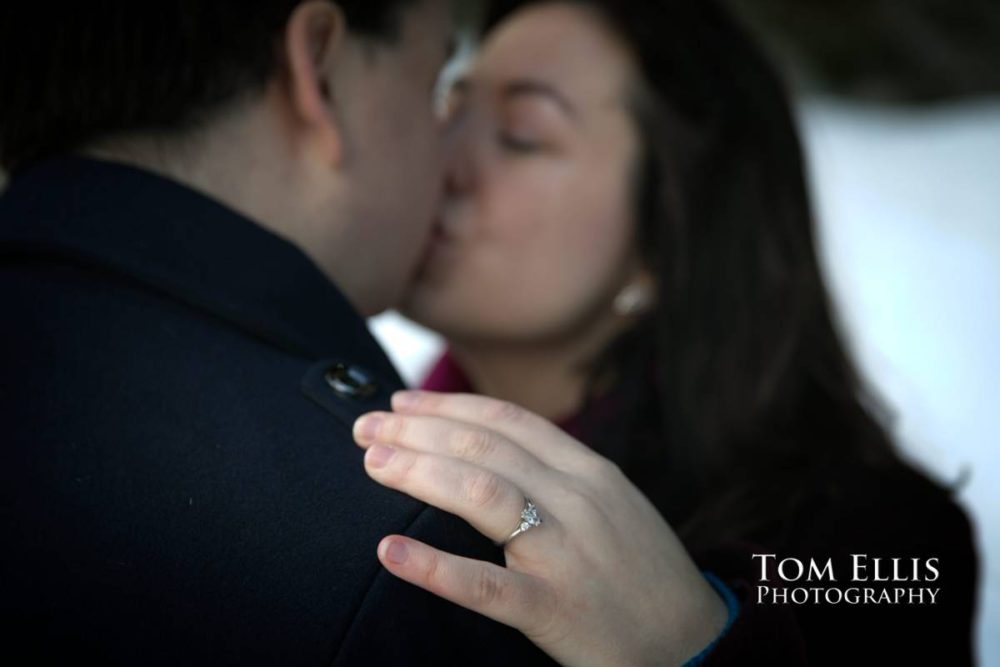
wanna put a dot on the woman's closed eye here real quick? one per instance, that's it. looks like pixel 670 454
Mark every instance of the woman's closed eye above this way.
pixel 518 142
pixel 529 123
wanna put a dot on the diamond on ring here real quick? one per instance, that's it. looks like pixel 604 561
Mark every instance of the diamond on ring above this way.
pixel 529 519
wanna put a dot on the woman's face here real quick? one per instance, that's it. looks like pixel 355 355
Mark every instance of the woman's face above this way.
pixel 536 232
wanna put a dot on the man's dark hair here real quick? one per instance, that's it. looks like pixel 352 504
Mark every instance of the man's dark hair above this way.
pixel 85 70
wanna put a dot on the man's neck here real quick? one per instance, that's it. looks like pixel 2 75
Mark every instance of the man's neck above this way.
pixel 240 165
pixel 210 164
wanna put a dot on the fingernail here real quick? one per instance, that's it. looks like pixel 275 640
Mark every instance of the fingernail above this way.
pixel 405 399
pixel 379 455
pixel 367 427
pixel 396 553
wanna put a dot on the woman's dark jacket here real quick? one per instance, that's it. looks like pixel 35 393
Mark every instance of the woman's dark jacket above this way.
pixel 896 512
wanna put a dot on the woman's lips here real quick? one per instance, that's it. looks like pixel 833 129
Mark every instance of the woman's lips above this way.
pixel 438 231
pixel 449 227
pixel 439 244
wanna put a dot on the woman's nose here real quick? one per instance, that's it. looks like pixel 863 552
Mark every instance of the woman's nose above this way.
pixel 459 161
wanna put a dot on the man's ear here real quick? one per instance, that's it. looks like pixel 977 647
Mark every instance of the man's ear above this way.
pixel 315 44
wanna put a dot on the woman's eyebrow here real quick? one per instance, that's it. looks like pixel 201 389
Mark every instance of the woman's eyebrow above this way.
pixel 540 88
pixel 463 85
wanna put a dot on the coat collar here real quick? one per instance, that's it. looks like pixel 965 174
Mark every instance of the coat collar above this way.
pixel 176 241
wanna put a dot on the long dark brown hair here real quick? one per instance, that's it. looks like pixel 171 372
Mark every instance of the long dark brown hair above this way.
pixel 739 396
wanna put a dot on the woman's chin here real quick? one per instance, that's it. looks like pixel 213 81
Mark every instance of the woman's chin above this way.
pixel 420 303
pixel 430 307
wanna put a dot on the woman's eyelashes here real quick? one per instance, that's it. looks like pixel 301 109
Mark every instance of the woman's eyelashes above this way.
pixel 517 144
pixel 526 125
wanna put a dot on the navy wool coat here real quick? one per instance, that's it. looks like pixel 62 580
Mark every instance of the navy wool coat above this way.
pixel 179 482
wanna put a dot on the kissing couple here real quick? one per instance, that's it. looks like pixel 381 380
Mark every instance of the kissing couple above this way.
pixel 207 459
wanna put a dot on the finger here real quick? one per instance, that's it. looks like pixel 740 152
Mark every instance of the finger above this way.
pixel 474 444
pixel 539 436
pixel 520 600
pixel 489 502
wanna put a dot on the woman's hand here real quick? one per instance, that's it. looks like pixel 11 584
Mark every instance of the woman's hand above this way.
pixel 602 581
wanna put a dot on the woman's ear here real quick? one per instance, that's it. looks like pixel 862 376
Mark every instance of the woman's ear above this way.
pixel 315 46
